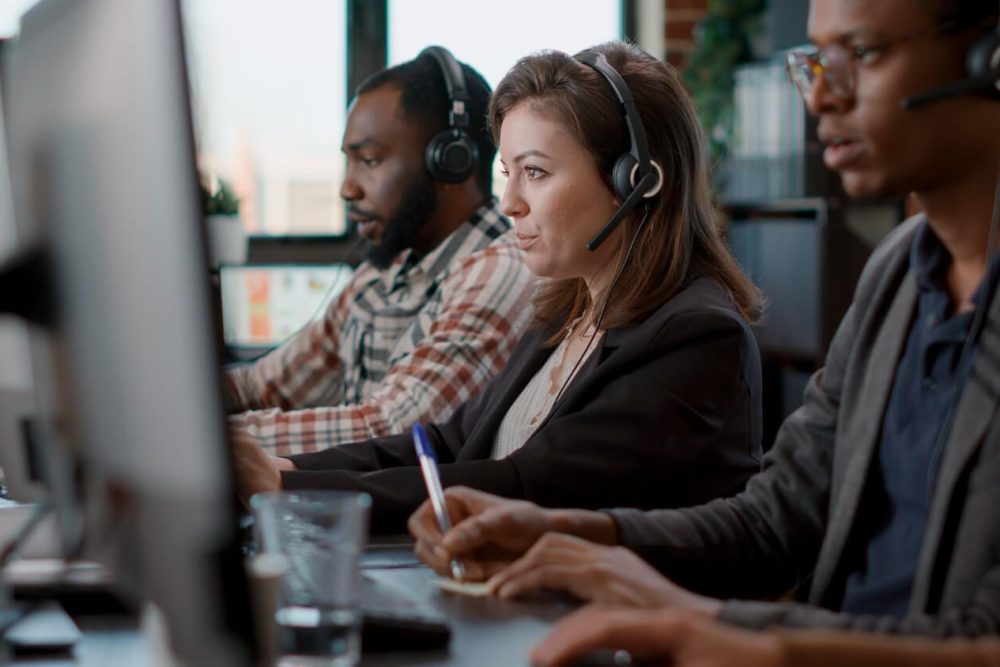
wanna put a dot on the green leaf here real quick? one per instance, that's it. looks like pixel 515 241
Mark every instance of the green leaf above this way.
pixel 722 41
pixel 221 202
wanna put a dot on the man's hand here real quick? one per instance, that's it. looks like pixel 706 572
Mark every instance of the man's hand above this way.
pixel 255 470
pixel 489 532
pixel 661 636
pixel 596 573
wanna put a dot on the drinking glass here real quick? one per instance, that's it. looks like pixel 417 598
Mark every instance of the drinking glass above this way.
pixel 320 536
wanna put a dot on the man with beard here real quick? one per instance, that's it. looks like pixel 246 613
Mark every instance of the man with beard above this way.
pixel 439 302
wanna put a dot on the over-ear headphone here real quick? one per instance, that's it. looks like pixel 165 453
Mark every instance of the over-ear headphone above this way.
pixel 451 156
pixel 982 74
pixel 635 176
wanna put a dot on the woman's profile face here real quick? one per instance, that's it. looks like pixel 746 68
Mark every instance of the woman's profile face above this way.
pixel 555 195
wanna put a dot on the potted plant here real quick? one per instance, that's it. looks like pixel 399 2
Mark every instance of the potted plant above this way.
pixel 226 237
pixel 726 37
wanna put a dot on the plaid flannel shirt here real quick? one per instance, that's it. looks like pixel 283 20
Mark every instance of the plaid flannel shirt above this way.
pixel 405 344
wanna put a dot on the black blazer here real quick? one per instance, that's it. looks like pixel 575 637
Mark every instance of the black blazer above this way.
pixel 665 413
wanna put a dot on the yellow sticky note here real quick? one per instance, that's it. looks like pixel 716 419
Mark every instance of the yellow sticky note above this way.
pixel 476 589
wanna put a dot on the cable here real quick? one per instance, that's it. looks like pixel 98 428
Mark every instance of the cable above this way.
pixel 600 318
pixel 324 302
pixel 323 305
pixel 991 240
pixel 979 319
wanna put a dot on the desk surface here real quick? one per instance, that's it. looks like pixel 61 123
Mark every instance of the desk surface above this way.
pixel 486 632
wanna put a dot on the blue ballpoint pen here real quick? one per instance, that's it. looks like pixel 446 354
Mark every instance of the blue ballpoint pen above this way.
pixel 428 465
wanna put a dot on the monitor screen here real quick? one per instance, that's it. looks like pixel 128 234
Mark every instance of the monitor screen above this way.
pixel 103 167
pixel 33 469
pixel 263 305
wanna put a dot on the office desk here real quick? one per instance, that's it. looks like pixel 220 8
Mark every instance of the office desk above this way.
pixel 486 632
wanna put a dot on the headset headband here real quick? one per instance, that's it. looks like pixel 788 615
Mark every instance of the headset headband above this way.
pixel 454 81
pixel 633 121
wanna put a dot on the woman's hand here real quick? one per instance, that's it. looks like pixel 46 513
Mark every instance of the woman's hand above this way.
pixel 596 573
pixel 661 636
pixel 489 532
pixel 255 471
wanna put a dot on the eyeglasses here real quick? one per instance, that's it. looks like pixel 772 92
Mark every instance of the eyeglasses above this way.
pixel 838 64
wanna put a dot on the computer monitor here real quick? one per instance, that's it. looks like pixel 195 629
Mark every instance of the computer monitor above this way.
pixel 264 304
pixel 16 385
pixel 103 166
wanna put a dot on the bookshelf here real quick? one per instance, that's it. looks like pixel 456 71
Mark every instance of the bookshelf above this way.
pixel 790 224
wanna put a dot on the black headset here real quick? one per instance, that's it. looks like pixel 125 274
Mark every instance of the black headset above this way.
pixel 635 176
pixel 982 74
pixel 451 156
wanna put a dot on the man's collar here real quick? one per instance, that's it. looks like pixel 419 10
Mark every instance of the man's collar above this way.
pixel 930 259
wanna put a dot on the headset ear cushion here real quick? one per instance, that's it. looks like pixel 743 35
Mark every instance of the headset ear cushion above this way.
pixel 984 57
pixel 450 156
pixel 621 175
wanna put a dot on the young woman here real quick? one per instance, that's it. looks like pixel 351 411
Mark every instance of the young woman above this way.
pixel 877 502
pixel 640 384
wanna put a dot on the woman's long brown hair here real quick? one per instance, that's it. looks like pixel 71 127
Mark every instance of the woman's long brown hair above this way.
pixel 682 239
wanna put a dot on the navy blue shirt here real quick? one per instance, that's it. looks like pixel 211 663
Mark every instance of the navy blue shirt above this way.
pixel 927 385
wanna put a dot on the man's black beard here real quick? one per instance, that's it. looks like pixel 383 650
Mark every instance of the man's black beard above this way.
pixel 398 233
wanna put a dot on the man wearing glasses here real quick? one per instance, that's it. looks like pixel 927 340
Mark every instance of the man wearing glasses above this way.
pixel 877 503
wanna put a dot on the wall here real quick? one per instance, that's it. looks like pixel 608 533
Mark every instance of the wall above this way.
pixel 681 19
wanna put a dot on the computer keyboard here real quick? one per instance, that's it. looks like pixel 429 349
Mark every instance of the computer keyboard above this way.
pixel 396 622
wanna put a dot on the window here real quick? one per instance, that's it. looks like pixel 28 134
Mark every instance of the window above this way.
pixel 269 100
pixel 512 29
pixel 10 15
pixel 493 36
pixel 269 86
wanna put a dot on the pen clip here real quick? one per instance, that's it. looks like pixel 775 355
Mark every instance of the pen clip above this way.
pixel 421 442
